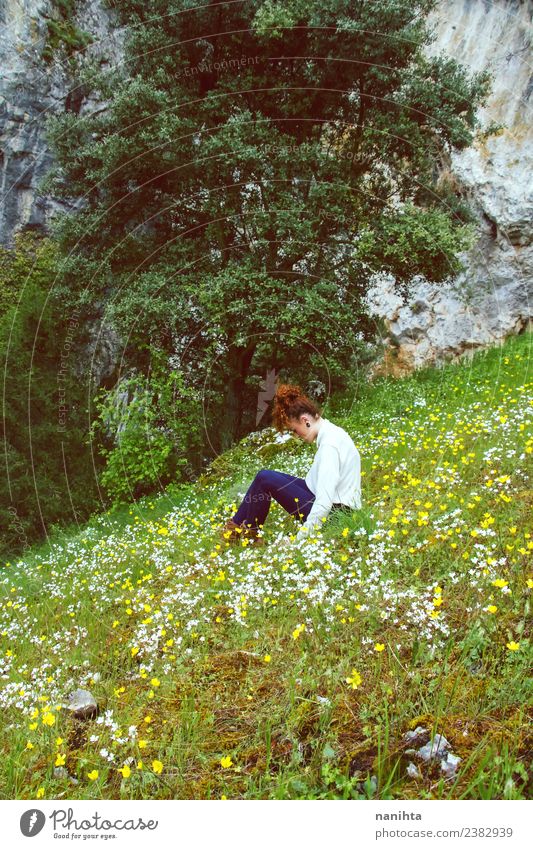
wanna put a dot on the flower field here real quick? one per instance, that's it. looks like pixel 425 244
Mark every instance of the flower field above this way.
pixel 295 671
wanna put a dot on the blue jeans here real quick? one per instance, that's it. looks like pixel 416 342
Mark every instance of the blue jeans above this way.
pixel 292 493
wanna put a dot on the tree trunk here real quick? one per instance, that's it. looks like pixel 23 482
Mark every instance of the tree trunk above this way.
pixel 239 361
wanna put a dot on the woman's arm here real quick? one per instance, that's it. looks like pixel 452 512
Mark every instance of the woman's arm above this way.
pixel 328 476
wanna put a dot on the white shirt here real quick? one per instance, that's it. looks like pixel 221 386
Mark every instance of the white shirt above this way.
pixel 335 476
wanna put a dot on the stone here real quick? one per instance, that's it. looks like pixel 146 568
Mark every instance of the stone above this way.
pixel 417 737
pixel 449 764
pixel 82 704
pixel 61 772
pixel 434 750
pixel 413 771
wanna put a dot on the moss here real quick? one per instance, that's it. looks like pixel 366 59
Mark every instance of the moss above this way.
pixel 62 32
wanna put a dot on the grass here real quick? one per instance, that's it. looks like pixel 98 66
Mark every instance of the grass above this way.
pixel 221 671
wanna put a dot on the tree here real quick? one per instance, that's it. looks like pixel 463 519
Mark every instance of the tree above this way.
pixel 257 162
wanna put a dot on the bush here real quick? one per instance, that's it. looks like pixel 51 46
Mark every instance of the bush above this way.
pixel 49 469
pixel 148 430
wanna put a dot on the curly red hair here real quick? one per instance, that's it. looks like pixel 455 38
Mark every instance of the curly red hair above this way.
pixel 289 403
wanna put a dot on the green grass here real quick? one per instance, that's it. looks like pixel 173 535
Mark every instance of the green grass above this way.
pixel 243 653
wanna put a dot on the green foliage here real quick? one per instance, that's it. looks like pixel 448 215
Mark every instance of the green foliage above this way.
pixel 413 238
pixel 49 470
pixel 62 32
pixel 149 431
pixel 31 258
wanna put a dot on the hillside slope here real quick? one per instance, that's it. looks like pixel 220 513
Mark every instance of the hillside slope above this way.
pixel 296 672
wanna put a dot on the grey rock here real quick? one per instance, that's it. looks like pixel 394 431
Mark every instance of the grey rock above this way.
pixel 82 704
pixel 417 737
pixel 61 772
pixel 30 91
pixel 413 771
pixel 492 298
pixel 436 749
pixel 449 765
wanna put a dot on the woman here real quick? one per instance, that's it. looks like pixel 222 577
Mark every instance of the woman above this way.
pixel 334 479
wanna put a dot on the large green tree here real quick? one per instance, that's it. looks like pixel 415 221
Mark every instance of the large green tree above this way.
pixel 255 164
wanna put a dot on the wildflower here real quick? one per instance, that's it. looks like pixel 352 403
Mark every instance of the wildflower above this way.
pixel 125 771
pixel 355 679
pixel 492 608
pixel 93 775
pixel 345 532
pixel 29 745
pixel 155 682
pixel 157 767
pixel 226 762
pixel 297 631
pixel 512 646
pixel 499 582
pixel 267 658
pixel 40 793
pixel 48 718
pixel 60 760
pixel 379 646
pixel 143 744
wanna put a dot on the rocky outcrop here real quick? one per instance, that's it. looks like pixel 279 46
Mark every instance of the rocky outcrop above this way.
pixel 493 297
pixel 32 88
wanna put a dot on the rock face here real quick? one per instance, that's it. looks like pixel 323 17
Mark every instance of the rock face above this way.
pixel 480 307
pixel 493 297
pixel 30 90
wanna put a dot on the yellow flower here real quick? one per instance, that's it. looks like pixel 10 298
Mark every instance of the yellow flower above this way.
pixel 155 682
pixel 147 719
pixel 297 631
pixel 492 608
pixel 226 762
pixel 40 793
pixel 143 744
pixel 345 532
pixel 379 646
pixel 59 741
pixel 355 679
pixel 157 767
pixel 29 745
pixel 60 759
pixel 125 771
pixel 499 582
pixel 92 776
pixel 48 718
pixel 530 583
pixel 512 646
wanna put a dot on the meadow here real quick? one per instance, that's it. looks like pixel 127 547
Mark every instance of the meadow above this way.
pixel 294 671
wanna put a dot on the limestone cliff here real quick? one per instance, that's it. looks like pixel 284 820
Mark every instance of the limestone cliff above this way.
pixel 494 296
